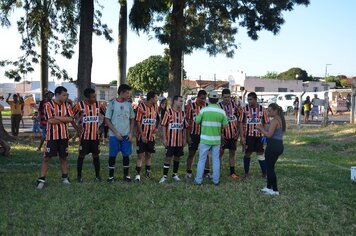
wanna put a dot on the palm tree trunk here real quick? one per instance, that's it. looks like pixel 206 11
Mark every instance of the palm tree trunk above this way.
pixel 85 60
pixel 44 52
pixel 122 47
pixel 176 46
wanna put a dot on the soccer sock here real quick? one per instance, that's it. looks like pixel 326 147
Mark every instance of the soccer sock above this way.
pixel 263 166
pixel 189 171
pixel 80 166
pixel 206 171
pixel 175 167
pixel 111 166
pixel 42 178
pixel 64 176
pixel 232 170
pixel 126 164
pixel 138 170
pixel 96 163
pixel 247 164
pixel 148 169
pixel 165 169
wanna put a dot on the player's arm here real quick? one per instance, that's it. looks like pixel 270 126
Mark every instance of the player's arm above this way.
pixel 272 128
pixel 67 119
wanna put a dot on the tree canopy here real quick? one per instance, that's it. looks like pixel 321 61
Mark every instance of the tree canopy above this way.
pixel 340 80
pixel 149 75
pixel 271 75
pixel 295 73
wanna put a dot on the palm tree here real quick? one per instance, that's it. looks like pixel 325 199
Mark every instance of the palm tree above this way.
pixel 122 47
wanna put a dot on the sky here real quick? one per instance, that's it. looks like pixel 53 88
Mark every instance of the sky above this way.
pixel 314 37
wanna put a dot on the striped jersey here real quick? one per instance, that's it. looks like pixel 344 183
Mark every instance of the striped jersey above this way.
pixel 174 123
pixel 89 119
pixel 41 112
pixel 212 119
pixel 251 118
pixel 232 114
pixel 193 110
pixel 147 117
pixel 57 131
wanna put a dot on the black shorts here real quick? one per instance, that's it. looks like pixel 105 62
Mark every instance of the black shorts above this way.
pixel 89 146
pixel 145 147
pixel 56 147
pixel 195 142
pixel 229 144
pixel 254 144
pixel 174 151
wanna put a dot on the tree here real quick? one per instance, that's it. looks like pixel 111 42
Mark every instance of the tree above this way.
pixel 149 75
pixel 271 75
pixel 48 23
pixel 186 25
pixel 295 73
pixel 340 80
pixel 122 47
pixel 113 82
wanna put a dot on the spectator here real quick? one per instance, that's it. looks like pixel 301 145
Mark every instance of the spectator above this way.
pixel 16 112
pixel 307 105
pixel 296 109
pixel 36 123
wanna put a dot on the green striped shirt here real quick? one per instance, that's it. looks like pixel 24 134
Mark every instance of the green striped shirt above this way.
pixel 212 119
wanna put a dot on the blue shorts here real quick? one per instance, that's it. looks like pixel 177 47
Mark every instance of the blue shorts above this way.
pixel 44 131
pixel 115 146
pixel 36 128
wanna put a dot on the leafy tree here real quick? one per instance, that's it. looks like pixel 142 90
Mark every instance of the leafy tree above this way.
pixel 122 47
pixel 149 75
pixel 340 80
pixel 271 75
pixel 186 25
pixel 113 82
pixel 295 73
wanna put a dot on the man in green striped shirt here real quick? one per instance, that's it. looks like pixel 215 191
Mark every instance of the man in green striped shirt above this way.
pixel 212 120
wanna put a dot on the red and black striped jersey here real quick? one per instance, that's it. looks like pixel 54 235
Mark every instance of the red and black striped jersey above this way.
pixel 232 114
pixel 41 112
pixel 193 110
pixel 251 118
pixel 174 123
pixel 147 117
pixel 57 131
pixel 88 115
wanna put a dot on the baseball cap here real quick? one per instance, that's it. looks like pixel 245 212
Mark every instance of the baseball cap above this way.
pixel 213 94
pixel 49 91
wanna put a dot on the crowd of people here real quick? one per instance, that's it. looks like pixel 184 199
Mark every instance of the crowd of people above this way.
pixel 209 124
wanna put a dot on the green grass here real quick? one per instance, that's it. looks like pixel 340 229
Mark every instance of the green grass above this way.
pixel 317 195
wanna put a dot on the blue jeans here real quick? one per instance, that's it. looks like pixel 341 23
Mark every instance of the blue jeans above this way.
pixel 203 153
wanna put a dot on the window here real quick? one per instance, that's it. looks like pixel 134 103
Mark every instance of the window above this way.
pixel 102 95
pixel 315 89
pixel 282 90
pixel 259 89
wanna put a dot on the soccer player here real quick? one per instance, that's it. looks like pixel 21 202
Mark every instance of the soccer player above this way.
pixel 174 123
pixel 252 117
pixel 230 134
pixel 58 113
pixel 88 112
pixel 120 118
pixel 193 133
pixel 147 119
pixel 213 120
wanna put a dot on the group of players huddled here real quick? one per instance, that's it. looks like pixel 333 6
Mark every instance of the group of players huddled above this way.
pixel 179 127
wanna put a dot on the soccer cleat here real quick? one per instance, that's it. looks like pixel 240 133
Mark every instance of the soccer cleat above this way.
pixel 272 193
pixel 137 178
pixel 234 176
pixel 79 179
pixel 188 175
pixel 266 190
pixel 163 179
pixel 98 179
pixel 110 179
pixel 40 183
pixel 127 179
pixel 65 181
pixel 148 174
pixel 207 176
pixel 175 177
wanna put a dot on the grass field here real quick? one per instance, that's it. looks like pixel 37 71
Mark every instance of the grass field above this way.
pixel 317 195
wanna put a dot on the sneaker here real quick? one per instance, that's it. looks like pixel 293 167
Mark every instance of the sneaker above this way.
pixel 110 179
pixel 127 179
pixel 273 193
pixel 98 179
pixel 175 177
pixel 188 175
pixel 207 176
pixel 65 181
pixel 137 178
pixel 79 180
pixel 163 179
pixel 148 174
pixel 266 190
pixel 234 176
pixel 40 183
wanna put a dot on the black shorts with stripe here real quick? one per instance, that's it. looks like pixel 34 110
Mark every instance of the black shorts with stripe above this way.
pixel 174 151
pixel 89 146
pixel 145 147
pixel 230 144
pixel 195 138
pixel 56 147
pixel 254 144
